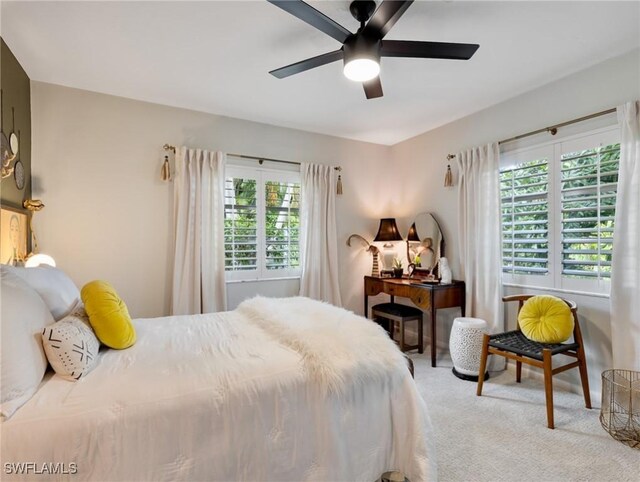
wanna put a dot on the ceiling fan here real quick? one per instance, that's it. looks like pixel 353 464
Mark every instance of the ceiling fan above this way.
pixel 361 51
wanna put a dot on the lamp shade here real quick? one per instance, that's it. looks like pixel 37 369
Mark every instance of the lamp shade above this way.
pixel 388 231
pixel 413 233
pixel 39 259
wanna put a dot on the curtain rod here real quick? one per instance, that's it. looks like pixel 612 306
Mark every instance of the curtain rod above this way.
pixel 553 130
pixel 168 147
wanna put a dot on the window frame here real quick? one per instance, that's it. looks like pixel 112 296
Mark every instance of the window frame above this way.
pixel 261 175
pixel 554 280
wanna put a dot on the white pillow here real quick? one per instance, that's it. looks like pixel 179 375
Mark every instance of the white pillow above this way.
pixel 57 290
pixel 22 359
pixel 71 346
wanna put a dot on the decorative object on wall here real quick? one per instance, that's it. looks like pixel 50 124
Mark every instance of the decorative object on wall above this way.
pixel 387 233
pixel 9 147
pixel 18 175
pixel 339 183
pixel 361 51
pixel 14 139
pixel 33 205
pixel 375 270
pixel 13 235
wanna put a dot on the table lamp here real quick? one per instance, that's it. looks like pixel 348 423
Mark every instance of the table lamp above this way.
pixel 387 233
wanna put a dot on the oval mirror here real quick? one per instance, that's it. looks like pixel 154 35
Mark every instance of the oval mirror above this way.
pixel 426 241
pixel 13 142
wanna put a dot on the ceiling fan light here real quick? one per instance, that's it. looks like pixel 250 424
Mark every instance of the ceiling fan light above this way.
pixel 361 70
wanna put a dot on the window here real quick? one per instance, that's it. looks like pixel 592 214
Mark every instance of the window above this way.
pixel 558 209
pixel 525 217
pixel 262 223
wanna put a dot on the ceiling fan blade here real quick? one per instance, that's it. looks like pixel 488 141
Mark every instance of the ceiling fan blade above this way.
pixel 427 50
pixel 308 64
pixel 313 17
pixel 385 17
pixel 373 88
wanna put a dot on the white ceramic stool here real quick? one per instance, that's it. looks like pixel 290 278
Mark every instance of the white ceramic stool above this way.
pixel 465 346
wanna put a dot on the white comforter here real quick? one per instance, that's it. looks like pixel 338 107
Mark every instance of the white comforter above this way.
pixel 277 390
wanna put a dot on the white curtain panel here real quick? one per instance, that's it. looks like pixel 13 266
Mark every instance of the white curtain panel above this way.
pixel 480 237
pixel 198 267
pixel 625 266
pixel 319 238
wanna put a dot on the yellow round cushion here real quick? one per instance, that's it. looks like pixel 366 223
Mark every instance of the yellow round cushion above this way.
pixel 546 319
pixel 108 315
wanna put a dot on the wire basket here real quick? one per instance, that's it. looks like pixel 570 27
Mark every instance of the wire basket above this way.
pixel 620 412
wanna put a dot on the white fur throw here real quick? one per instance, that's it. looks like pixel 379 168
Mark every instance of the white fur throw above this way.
pixel 337 347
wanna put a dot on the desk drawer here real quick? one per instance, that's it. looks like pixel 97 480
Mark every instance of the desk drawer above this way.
pixel 373 287
pixel 397 290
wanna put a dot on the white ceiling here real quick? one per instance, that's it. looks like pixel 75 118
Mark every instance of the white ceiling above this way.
pixel 215 57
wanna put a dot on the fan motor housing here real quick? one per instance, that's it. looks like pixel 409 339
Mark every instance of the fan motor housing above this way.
pixel 359 46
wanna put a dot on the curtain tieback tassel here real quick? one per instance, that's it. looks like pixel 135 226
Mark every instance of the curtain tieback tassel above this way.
pixel 166 169
pixel 448 177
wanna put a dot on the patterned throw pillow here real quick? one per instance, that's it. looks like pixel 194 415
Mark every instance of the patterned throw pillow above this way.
pixel 71 346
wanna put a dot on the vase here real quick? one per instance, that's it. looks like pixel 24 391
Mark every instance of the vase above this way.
pixel 397 272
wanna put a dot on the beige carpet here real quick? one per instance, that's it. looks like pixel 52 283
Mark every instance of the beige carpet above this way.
pixel 503 436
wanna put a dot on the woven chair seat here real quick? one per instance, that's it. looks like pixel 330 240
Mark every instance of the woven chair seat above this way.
pixel 396 309
pixel 516 342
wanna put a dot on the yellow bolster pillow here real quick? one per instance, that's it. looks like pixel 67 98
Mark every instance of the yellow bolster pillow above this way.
pixel 546 319
pixel 108 315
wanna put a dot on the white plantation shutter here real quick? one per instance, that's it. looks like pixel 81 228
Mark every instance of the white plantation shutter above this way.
pixel 282 201
pixel 558 210
pixel 525 217
pixel 588 201
pixel 241 224
pixel 262 223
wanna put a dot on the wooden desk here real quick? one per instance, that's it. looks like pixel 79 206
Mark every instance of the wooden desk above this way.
pixel 427 297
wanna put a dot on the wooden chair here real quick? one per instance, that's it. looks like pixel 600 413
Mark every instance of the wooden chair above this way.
pixel 515 346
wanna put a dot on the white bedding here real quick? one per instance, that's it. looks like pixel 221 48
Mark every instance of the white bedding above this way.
pixel 233 396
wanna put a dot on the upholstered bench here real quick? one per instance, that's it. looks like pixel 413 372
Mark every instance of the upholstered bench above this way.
pixel 394 312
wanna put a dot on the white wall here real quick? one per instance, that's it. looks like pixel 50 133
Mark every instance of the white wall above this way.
pixel 96 166
pixel 96 161
pixel 423 162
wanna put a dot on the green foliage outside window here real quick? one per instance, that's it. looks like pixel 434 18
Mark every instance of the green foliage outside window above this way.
pixel 588 181
pixel 281 225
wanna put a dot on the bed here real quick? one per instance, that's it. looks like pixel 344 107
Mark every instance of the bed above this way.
pixel 276 390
